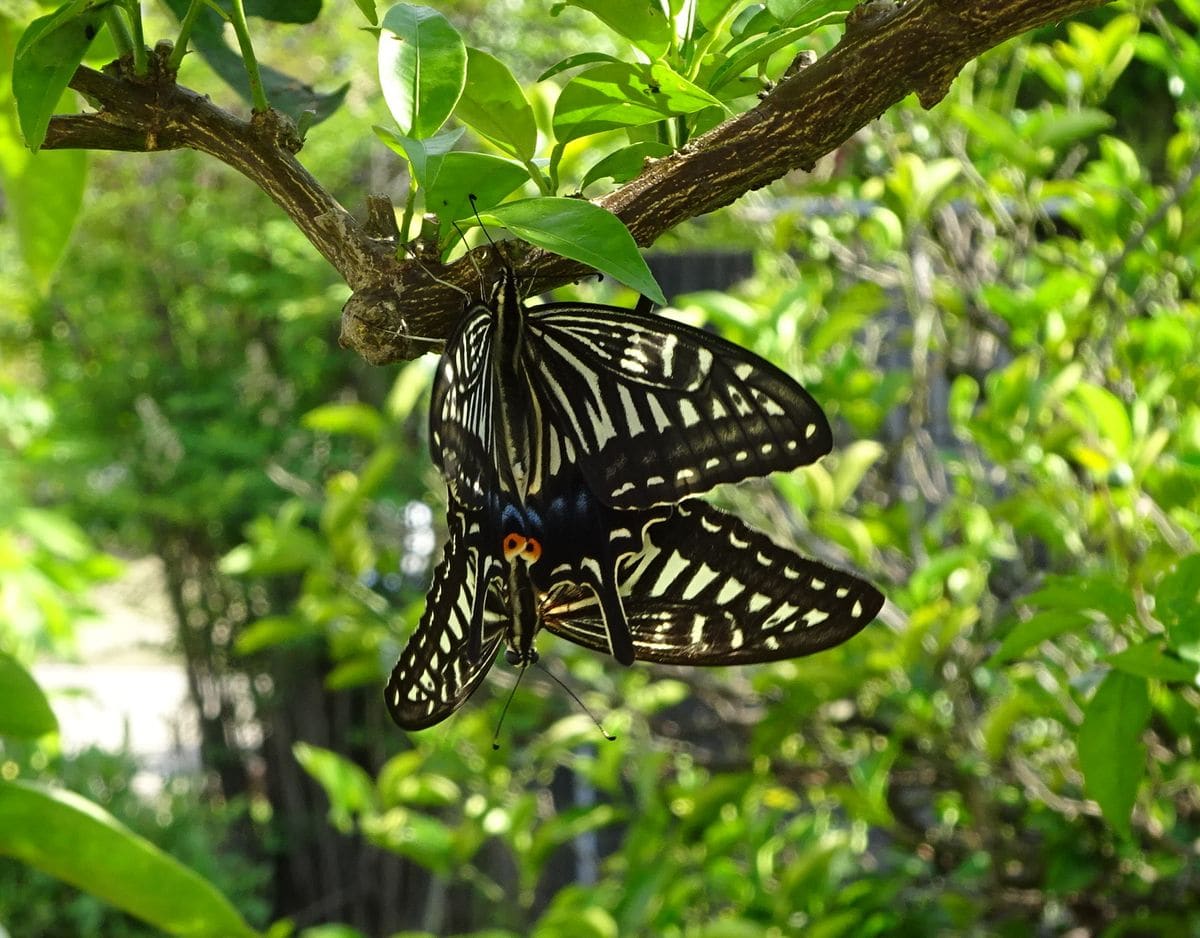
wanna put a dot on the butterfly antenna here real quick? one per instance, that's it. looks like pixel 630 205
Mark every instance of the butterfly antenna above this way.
pixel 475 209
pixel 470 256
pixel 435 278
pixel 575 697
pixel 499 723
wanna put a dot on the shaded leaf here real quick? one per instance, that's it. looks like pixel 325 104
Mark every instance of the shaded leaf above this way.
pixel 1111 752
pixel 26 713
pixel 76 841
pixel 494 106
pixel 626 163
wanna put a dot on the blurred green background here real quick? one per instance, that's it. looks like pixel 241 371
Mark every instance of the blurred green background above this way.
pixel 994 301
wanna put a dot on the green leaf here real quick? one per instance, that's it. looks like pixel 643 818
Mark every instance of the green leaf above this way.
pixel 1111 752
pixel 411 834
pixel 757 50
pixel 356 419
pixel 284 11
pixel 270 631
pixel 607 97
pixel 422 68
pixel 424 156
pixel 852 464
pixel 494 106
pixel 1177 606
pixel 489 178
pixel 1036 629
pixel 581 231
pixel 285 93
pixel 626 163
pixel 367 8
pixel 639 21
pixel 574 61
pixel 76 841
pixel 45 194
pixel 1149 659
pixel 26 714
pixel 349 788
pixel 48 54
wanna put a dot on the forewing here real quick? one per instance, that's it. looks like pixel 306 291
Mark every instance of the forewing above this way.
pixel 462 406
pixel 709 590
pixel 436 672
pixel 658 410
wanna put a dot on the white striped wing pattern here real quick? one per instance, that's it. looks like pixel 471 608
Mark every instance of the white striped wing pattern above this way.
pixel 705 589
pixel 651 410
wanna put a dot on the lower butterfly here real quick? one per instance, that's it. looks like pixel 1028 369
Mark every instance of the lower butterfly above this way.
pixel 696 586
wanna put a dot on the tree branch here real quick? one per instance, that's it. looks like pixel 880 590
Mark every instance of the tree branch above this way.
pixel 887 52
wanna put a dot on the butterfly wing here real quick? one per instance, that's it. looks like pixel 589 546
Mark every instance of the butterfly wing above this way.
pixel 437 672
pixel 463 405
pixel 658 410
pixel 709 590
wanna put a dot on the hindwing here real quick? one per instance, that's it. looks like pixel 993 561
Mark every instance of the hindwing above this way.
pixel 437 671
pixel 709 590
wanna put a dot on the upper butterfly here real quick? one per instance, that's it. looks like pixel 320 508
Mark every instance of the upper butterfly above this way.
pixel 650 410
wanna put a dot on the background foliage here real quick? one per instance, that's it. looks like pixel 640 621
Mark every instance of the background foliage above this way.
pixel 994 302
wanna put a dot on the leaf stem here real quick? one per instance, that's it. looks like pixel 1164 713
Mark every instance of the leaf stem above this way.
pixel 122 37
pixel 185 34
pixel 141 65
pixel 258 96
pixel 410 205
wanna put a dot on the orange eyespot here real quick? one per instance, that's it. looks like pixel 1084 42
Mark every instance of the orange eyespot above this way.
pixel 533 550
pixel 514 544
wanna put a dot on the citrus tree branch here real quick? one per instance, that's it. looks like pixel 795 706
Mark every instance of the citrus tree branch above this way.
pixel 889 51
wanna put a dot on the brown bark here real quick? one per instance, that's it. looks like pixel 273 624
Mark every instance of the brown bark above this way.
pixel 888 51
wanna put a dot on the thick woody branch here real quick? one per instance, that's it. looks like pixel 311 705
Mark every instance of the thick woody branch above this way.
pixel 152 114
pixel 888 52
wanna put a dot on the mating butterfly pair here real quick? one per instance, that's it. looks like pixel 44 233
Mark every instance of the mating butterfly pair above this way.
pixel 571 437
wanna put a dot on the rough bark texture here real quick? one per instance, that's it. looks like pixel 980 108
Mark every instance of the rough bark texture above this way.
pixel 888 51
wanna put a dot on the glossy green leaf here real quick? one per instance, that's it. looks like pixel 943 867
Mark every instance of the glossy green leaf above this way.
pixel 349 788
pixel 1111 752
pixel 577 60
pixel 489 178
pixel 755 51
pixel 424 156
pixel 581 231
pixel 606 97
pixel 76 841
pixel 26 713
pixel 642 23
pixel 494 106
pixel 422 68
pixel 367 7
pixel 48 53
pixel 626 163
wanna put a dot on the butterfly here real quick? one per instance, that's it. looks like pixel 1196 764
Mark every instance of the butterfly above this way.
pixel 636 410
